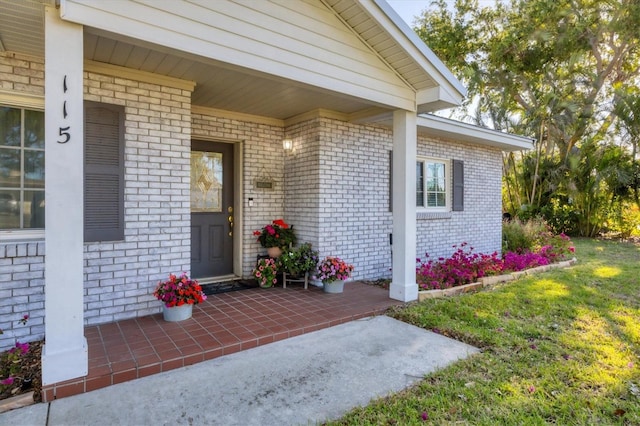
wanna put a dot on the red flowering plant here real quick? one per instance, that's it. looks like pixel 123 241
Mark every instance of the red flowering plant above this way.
pixel 332 269
pixel 178 291
pixel 276 234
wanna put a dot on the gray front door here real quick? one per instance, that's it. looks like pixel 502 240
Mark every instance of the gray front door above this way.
pixel 211 209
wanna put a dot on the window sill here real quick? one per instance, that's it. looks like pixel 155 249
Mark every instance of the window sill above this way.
pixel 21 236
pixel 433 215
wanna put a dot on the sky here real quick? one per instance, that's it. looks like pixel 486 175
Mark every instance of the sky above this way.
pixel 408 9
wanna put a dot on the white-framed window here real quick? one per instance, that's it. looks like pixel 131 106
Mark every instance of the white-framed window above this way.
pixel 21 169
pixel 433 189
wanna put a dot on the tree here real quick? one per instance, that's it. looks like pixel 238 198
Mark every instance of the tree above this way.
pixel 549 69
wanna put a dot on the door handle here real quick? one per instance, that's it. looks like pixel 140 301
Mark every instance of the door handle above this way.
pixel 230 220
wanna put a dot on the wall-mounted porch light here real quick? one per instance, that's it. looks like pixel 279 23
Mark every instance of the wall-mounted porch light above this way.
pixel 287 145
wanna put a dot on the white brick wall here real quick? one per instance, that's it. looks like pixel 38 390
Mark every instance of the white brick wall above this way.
pixel 337 188
pixel 120 276
pixel 334 188
pixel 21 292
pixel 480 224
pixel 337 191
pixel 21 263
pixel 262 158
pixel 23 74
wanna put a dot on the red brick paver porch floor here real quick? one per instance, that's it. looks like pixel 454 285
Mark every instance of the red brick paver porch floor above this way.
pixel 223 324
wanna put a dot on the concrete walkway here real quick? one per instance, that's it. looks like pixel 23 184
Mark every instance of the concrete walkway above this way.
pixel 303 380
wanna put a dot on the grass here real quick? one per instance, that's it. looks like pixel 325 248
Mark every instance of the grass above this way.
pixel 561 347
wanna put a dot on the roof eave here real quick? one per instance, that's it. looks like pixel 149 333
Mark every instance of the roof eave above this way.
pixel 447 128
pixel 452 90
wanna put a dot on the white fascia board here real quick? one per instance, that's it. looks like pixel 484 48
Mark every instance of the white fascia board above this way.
pixel 129 22
pixel 435 98
pixel 452 129
pixel 414 45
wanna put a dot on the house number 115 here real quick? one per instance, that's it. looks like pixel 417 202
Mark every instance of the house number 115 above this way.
pixel 64 133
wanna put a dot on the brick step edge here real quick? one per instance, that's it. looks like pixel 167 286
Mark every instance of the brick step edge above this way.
pixel 17 401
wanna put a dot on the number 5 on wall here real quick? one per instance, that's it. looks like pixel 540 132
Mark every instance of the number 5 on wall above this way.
pixel 64 132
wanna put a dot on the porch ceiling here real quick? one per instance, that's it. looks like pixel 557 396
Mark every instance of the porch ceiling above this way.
pixel 218 85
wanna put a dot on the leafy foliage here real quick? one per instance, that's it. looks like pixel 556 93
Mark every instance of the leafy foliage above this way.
pixel 564 72
pixel 299 260
pixel 276 234
pixel 266 272
pixel 464 266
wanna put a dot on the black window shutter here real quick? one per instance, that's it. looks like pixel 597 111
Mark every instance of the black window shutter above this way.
pixel 391 181
pixel 103 172
pixel 458 186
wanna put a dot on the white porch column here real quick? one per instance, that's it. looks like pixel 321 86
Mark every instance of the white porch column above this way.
pixel 403 283
pixel 65 353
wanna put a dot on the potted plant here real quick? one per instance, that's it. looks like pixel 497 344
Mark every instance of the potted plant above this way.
pixel 297 263
pixel 277 235
pixel 179 294
pixel 300 260
pixel 333 271
pixel 265 272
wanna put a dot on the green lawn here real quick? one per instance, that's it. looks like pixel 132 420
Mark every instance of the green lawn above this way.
pixel 561 347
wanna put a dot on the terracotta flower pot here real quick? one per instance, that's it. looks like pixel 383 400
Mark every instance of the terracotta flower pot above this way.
pixel 274 252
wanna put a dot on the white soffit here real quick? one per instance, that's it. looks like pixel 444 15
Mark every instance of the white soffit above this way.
pixel 451 129
pixel 450 90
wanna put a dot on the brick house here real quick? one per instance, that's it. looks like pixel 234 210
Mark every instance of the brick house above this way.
pixel 163 138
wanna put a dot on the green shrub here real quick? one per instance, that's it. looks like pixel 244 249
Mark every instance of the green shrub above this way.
pixel 518 236
pixel 623 220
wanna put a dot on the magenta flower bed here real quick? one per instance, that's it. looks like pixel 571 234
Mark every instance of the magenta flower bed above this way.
pixel 464 266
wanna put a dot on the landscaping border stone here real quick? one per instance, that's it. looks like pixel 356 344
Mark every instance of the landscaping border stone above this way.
pixel 17 401
pixel 491 280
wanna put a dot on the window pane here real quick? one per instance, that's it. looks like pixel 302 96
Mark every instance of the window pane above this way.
pixel 440 200
pixel 431 170
pixel 431 199
pixel 33 169
pixel 21 168
pixel 9 126
pixel 439 185
pixel 9 209
pixel 10 167
pixel 33 129
pixel 206 181
pixel 34 209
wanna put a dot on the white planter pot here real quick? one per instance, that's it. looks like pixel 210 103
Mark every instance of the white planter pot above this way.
pixel 177 313
pixel 334 287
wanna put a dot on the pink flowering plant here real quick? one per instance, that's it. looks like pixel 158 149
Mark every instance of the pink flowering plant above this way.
pixel 178 291
pixel 332 269
pixel 464 266
pixel 14 374
pixel 265 272
pixel 11 361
